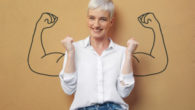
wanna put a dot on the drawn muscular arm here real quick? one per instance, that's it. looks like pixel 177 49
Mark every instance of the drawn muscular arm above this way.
pixel 144 61
pixel 39 60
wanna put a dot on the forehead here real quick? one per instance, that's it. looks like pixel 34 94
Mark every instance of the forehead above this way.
pixel 98 13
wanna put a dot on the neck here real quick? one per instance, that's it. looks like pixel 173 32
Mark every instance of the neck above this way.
pixel 99 43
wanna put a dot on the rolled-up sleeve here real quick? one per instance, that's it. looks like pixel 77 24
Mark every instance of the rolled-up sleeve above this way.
pixel 125 84
pixel 68 80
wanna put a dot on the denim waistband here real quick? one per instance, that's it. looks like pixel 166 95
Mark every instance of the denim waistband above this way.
pixel 106 104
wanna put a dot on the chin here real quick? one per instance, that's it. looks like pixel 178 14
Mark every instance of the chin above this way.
pixel 97 35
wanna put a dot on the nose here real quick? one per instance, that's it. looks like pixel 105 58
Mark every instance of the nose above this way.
pixel 96 23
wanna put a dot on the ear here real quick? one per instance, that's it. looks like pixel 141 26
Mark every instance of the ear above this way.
pixel 112 21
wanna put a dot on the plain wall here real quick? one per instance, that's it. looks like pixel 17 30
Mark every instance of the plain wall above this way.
pixel 23 89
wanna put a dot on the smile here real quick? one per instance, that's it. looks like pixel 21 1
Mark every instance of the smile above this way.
pixel 97 30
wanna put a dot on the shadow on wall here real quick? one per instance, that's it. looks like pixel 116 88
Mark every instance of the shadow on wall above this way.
pixel 38 54
pixel 136 95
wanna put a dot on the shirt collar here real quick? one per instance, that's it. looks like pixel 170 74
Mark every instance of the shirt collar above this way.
pixel 87 43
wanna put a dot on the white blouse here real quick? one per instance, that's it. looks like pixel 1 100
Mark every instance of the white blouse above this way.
pixel 97 78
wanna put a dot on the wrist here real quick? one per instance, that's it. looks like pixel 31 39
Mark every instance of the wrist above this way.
pixel 70 53
pixel 129 56
pixel 39 27
pixel 129 53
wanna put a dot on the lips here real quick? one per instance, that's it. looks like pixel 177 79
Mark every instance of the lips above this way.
pixel 97 30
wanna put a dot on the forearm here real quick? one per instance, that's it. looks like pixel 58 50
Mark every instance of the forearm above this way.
pixel 127 67
pixel 70 64
pixel 68 80
pixel 126 79
pixel 35 51
pixel 36 43
pixel 159 44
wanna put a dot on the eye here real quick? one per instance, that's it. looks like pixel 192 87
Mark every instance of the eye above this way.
pixel 91 17
pixel 103 19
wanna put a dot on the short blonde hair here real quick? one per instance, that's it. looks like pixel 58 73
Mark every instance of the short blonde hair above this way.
pixel 106 5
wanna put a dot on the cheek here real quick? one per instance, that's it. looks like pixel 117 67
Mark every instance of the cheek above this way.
pixel 90 24
pixel 107 26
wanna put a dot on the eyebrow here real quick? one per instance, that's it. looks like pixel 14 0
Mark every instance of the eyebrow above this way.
pixel 99 18
pixel 104 17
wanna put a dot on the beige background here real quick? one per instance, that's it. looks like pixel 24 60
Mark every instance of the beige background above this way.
pixel 21 89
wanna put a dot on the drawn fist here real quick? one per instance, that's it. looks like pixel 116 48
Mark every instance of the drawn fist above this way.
pixel 131 46
pixel 148 20
pixel 67 43
pixel 47 20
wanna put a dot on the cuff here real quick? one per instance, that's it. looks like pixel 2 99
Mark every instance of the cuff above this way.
pixel 127 79
pixel 66 77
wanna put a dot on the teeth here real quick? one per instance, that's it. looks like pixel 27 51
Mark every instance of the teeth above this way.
pixel 97 30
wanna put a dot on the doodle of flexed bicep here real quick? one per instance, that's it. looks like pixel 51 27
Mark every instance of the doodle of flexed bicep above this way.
pixel 148 20
pixel 47 20
pixel 48 61
pixel 158 51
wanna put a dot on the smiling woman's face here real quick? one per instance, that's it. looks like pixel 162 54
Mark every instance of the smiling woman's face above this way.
pixel 99 22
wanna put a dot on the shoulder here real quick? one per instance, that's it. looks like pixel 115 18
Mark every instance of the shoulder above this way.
pixel 120 51
pixel 120 47
pixel 79 43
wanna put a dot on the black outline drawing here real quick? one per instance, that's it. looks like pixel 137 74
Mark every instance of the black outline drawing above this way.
pixel 55 19
pixel 52 19
pixel 143 16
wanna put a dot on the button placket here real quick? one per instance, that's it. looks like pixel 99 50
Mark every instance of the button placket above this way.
pixel 100 79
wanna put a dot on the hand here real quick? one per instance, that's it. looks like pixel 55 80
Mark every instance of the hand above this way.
pixel 47 20
pixel 67 43
pixel 131 46
pixel 148 20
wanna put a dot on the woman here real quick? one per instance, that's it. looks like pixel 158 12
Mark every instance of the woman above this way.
pixel 96 69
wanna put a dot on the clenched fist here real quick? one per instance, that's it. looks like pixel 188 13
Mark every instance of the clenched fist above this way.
pixel 148 20
pixel 131 46
pixel 47 20
pixel 68 44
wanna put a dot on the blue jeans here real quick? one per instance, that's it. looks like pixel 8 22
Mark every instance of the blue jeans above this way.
pixel 104 106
